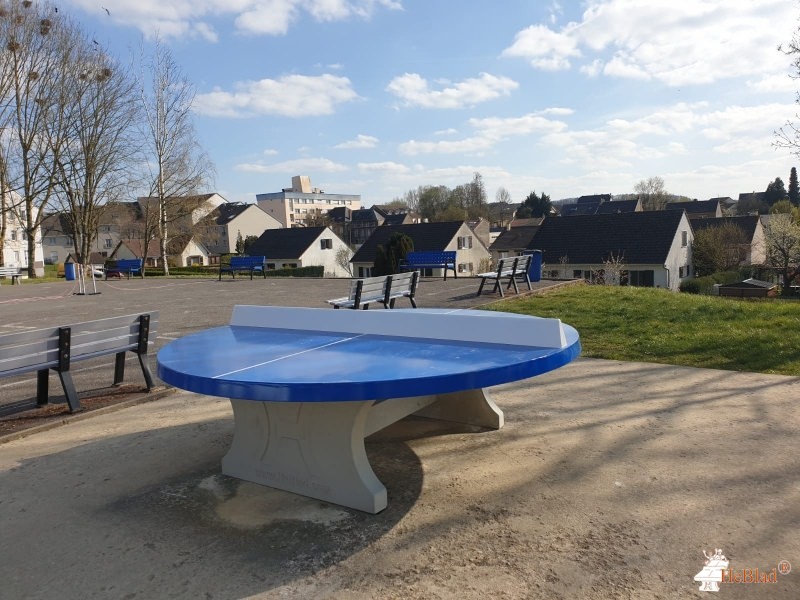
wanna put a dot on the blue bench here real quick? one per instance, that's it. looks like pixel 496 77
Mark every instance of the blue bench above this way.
pixel 129 266
pixel 425 259
pixel 251 264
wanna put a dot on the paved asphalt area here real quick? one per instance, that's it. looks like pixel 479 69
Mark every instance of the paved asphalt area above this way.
pixel 184 306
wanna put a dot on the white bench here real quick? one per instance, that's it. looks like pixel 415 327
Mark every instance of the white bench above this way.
pixel 386 290
pixel 11 272
pixel 511 269
pixel 56 348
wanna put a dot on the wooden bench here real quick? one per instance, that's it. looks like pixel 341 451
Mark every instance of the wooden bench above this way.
pixel 386 290
pixel 250 264
pixel 425 259
pixel 129 266
pixel 56 348
pixel 12 273
pixel 511 269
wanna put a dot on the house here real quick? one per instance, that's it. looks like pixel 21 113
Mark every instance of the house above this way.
pixel 134 248
pixel 471 255
pixel 585 205
pixel 304 247
pixel 482 231
pixel 186 250
pixel 512 242
pixel 698 209
pixel 751 253
pixel 502 213
pixel 652 249
pixel 620 206
pixel 528 222
pixel 15 243
pixel 221 229
pixel 293 206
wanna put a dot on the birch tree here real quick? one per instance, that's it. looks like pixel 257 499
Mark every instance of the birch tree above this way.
pixel 177 165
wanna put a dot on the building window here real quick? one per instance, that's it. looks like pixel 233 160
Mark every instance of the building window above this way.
pixel 554 274
pixel 684 238
pixel 577 274
pixel 270 266
pixel 641 278
pixel 107 243
pixel 13 235
pixel 465 267
pixel 464 242
pixel 326 243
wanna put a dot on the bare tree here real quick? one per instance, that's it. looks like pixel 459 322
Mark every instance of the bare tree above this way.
pixel 782 237
pixel 177 165
pixel 93 168
pixel 343 256
pixel 37 48
pixel 652 193
pixel 503 198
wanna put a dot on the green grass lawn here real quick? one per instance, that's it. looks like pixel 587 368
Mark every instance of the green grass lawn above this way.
pixel 653 325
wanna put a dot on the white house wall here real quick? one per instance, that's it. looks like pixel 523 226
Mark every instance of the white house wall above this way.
pixel 469 258
pixel 680 255
pixel 316 256
pixel 252 221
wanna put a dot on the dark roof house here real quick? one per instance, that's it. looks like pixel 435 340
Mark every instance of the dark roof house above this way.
pixel 697 208
pixel 301 247
pixel 657 243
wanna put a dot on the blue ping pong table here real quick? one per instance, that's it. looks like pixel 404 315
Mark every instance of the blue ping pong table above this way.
pixel 308 385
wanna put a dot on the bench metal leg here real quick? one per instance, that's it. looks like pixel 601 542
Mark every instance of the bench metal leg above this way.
pixel 119 368
pixel 69 391
pixel 148 376
pixel 42 387
pixel 311 448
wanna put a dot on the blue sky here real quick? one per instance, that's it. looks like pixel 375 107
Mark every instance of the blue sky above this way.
pixel 377 97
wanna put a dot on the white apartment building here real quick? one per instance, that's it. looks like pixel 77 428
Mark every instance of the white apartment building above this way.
pixel 15 245
pixel 293 206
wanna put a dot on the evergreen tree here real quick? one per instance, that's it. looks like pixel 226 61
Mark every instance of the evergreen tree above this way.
pixel 387 258
pixel 535 206
pixel 775 191
pixel 794 188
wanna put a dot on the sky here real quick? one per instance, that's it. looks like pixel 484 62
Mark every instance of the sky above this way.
pixel 567 98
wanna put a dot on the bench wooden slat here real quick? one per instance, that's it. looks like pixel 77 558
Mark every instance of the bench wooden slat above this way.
pixel 39 350
pixel 385 290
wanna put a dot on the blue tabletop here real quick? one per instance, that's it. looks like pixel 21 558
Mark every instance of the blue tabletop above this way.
pixel 291 365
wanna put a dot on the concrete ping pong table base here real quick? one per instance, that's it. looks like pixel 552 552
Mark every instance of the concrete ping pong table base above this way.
pixel 317 448
pixel 303 384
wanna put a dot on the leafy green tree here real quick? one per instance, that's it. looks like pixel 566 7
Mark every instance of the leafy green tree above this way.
pixel 775 192
pixel 248 243
pixel 794 188
pixel 387 258
pixel 781 207
pixel 239 244
pixel 535 206
pixel 718 248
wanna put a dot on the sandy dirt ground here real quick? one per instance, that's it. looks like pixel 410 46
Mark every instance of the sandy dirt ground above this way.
pixel 609 480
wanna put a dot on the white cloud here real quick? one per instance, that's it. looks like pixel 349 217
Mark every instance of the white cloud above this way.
pixel 780 83
pixel 257 17
pixel 270 152
pixel 676 43
pixel 300 165
pixel 545 48
pixel 361 141
pixel 414 90
pixel 387 167
pixel 310 96
pixel 488 132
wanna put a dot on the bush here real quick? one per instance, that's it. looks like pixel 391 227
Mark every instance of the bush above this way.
pixel 298 272
pixel 705 285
